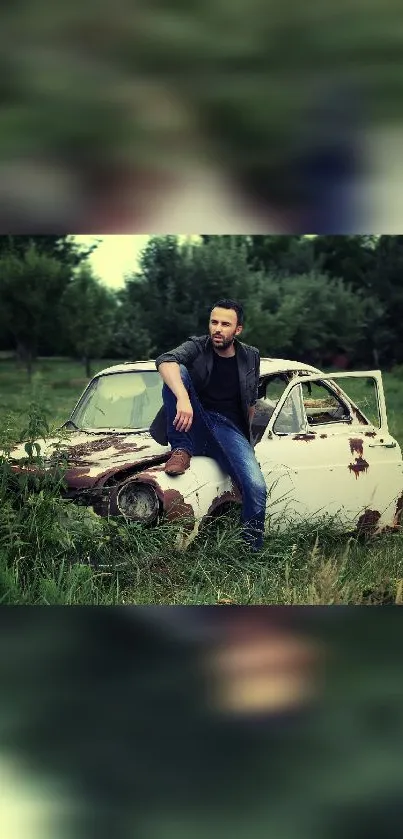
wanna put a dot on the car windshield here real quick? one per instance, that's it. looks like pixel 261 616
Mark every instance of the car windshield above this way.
pixel 120 400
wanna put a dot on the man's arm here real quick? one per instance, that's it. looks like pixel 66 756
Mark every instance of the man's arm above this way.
pixel 167 365
pixel 183 354
pixel 171 375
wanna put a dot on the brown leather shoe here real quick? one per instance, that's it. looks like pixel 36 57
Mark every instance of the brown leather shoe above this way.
pixel 178 462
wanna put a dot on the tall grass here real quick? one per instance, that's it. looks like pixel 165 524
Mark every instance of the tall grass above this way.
pixel 55 552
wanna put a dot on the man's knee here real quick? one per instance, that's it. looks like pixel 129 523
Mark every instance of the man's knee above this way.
pixel 258 488
pixel 261 492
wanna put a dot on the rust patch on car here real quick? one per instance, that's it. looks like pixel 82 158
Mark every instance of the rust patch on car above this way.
pixel 359 466
pixel 150 472
pixel 176 508
pixel 78 478
pixel 367 523
pixel 126 448
pixel 323 436
pixel 370 433
pixel 127 469
pixel 306 437
pixel 356 445
pixel 86 449
pixel 358 415
pixel 83 449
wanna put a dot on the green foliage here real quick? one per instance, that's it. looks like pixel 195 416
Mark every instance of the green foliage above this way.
pixel 373 266
pixel 30 289
pixel 282 255
pixel 305 296
pixel 162 292
pixel 305 317
pixel 296 303
pixel 131 339
pixel 63 248
pixel 88 310
pixel 179 282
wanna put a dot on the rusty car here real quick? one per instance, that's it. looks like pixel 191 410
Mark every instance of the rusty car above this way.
pixel 324 451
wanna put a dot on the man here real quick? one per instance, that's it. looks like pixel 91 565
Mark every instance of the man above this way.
pixel 209 393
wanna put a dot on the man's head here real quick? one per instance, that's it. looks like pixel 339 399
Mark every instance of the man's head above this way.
pixel 226 323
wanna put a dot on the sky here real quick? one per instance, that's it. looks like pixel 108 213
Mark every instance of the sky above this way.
pixel 115 256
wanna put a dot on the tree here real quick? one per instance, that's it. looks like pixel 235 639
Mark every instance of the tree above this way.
pixel 386 283
pixel 374 266
pixel 350 257
pixel 163 292
pixel 89 315
pixel 30 289
pixel 130 339
pixel 178 284
pixel 305 317
pixel 63 248
pixel 282 254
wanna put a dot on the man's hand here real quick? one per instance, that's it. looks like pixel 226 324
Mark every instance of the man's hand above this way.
pixel 184 414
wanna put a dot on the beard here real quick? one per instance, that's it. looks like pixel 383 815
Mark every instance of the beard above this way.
pixel 224 343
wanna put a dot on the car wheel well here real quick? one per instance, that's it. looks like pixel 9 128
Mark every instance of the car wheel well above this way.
pixel 219 512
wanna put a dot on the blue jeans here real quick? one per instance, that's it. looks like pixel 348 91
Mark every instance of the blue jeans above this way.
pixel 213 435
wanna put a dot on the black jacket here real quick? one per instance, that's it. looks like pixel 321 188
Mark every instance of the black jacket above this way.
pixel 197 355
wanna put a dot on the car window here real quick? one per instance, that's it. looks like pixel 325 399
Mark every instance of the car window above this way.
pixel 271 388
pixel 291 419
pixel 322 405
pixel 121 400
pixel 363 392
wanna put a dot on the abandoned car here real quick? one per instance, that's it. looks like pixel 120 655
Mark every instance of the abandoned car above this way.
pixel 324 451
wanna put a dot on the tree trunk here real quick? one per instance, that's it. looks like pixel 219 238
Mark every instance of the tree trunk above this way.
pixel 24 355
pixel 28 364
pixel 375 356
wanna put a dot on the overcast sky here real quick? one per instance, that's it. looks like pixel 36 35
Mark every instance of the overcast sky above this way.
pixel 115 256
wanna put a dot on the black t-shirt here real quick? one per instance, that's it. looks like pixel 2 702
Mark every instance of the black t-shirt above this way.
pixel 223 392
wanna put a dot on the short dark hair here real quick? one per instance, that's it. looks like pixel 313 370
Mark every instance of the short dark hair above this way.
pixel 227 303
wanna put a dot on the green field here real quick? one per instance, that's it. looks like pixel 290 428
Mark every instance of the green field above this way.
pixel 53 552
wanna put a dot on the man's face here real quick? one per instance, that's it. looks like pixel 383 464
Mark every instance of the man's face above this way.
pixel 223 327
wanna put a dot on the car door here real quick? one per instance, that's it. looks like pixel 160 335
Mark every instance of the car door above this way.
pixel 325 456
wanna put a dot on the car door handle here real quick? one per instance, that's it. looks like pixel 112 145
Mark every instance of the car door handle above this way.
pixel 391 445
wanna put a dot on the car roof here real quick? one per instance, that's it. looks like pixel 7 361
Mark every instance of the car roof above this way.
pixel 267 366
pixel 280 365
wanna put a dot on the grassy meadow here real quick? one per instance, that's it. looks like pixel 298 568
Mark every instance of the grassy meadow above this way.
pixel 52 552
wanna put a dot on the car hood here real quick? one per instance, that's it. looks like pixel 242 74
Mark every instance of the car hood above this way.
pixel 93 457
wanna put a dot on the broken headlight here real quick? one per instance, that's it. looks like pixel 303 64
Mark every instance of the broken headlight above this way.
pixel 138 502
